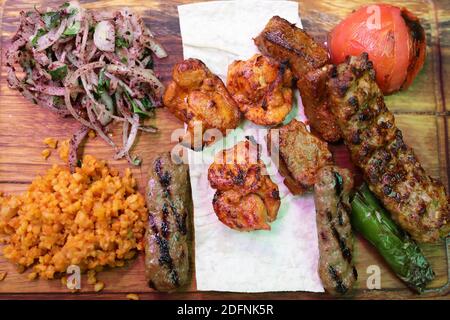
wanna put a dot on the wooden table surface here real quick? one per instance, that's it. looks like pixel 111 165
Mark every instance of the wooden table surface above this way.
pixel 421 112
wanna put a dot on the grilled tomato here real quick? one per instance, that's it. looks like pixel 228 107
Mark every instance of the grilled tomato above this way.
pixel 393 38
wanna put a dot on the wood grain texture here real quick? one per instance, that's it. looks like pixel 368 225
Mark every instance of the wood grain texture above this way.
pixel 421 113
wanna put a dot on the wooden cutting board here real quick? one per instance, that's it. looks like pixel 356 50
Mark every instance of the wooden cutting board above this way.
pixel 420 113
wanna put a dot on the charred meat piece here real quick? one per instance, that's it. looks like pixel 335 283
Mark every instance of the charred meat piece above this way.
pixel 300 155
pixel 331 196
pixel 169 202
pixel 199 98
pixel 417 202
pixel 246 198
pixel 285 42
pixel 315 102
pixel 262 88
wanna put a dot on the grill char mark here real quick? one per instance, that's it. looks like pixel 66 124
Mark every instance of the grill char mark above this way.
pixel 165 258
pixel 340 287
pixel 276 38
pixel 345 250
pixel 165 181
pixel 336 268
pixel 338 184
pixel 164 251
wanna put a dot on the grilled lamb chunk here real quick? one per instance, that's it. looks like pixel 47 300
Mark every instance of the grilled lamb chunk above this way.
pixel 169 202
pixel 301 155
pixel 331 196
pixel 285 42
pixel 316 105
pixel 417 202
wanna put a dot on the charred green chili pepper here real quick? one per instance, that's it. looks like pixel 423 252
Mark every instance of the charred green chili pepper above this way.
pixel 401 252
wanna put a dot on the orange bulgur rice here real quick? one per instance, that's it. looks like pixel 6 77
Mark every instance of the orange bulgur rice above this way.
pixel 92 218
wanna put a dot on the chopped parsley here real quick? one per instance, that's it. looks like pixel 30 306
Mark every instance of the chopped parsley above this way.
pixel 39 34
pixel 73 29
pixel 58 73
pixel 103 82
pixel 122 42
pixel 51 19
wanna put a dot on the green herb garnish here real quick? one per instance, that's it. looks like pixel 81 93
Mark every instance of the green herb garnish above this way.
pixel 73 12
pixel 58 101
pixel 103 82
pixel 73 29
pixel 135 108
pixel 147 103
pixel 122 42
pixel 148 53
pixel 136 161
pixel 58 73
pixel 51 19
pixel 39 34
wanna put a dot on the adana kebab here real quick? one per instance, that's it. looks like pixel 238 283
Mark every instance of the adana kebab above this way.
pixel 331 196
pixel 169 203
pixel 417 202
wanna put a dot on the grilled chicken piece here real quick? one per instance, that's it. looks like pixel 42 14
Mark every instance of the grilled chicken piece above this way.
pixel 246 198
pixel 200 99
pixel 285 42
pixel 301 154
pixel 262 88
pixel 331 196
pixel 417 202
pixel 169 202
